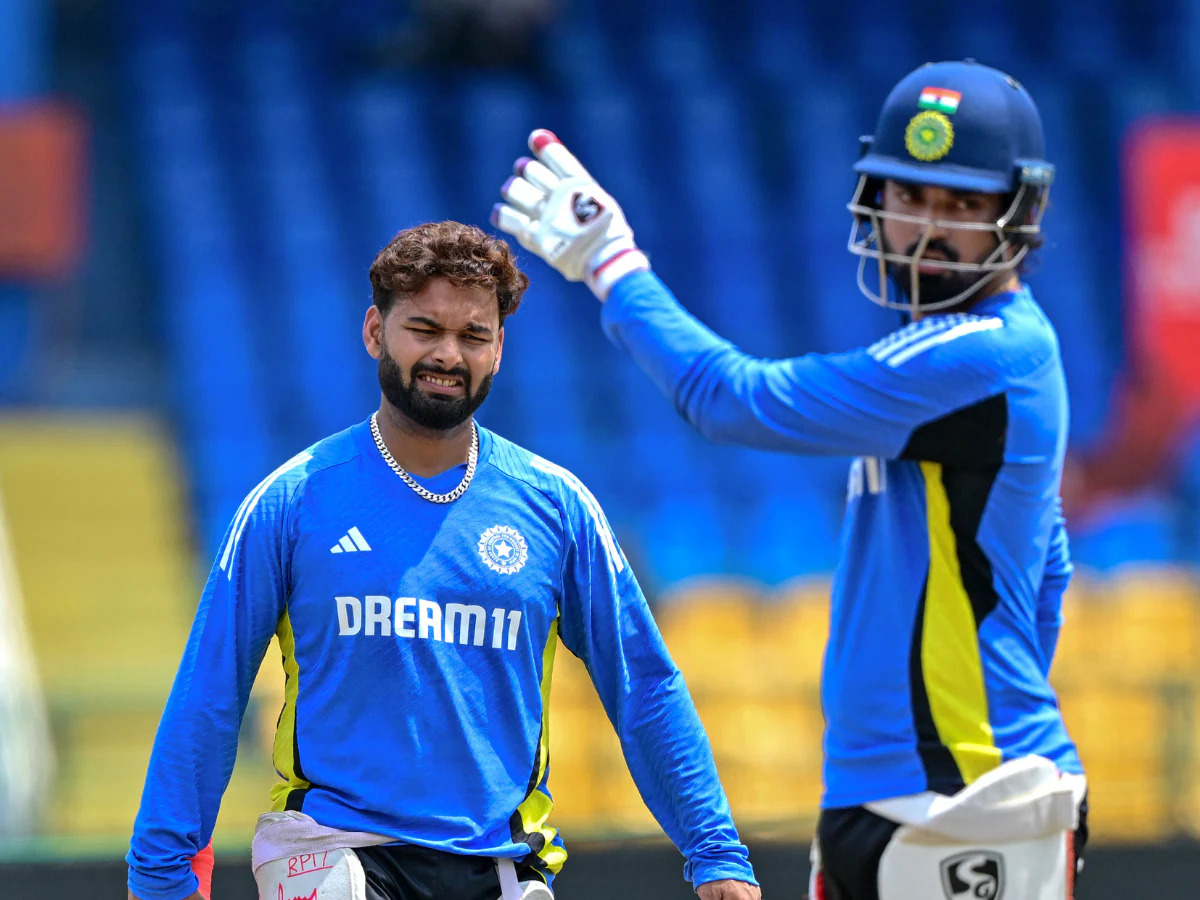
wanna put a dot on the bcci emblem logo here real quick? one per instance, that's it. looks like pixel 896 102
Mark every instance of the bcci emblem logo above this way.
pixel 503 549
pixel 975 875
pixel 585 208
pixel 929 136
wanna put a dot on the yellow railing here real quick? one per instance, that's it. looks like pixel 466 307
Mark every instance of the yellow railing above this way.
pixel 102 557
pixel 1127 673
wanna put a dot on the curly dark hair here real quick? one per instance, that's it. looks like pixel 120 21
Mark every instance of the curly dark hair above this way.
pixel 464 254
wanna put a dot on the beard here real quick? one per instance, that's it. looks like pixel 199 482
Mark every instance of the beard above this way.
pixel 933 287
pixel 433 411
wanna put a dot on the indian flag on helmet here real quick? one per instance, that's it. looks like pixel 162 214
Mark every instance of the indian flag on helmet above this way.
pixel 941 99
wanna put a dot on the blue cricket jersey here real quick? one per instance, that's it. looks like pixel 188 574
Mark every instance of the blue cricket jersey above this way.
pixel 418 643
pixel 953 557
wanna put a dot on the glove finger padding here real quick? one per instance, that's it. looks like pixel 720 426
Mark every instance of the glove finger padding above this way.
pixel 523 196
pixel 555 208
pixel 536 174
pixel 557 158
pixel 515 223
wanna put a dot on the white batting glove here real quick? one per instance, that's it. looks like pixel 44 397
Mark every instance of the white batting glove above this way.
pixel 555 208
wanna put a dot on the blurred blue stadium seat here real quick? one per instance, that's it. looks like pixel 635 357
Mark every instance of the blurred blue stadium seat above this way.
pixel 1138 528
pixel 728 240
pixel 779 46
pixel 886 39
pixel 1189 495
pixel 677 50
pixel 1087 45
pixel 1063 276
pixel 219 388
pixel 274 168
pixel 988 34
pixel 684 536
pixel 393 159
pixel 1185 51
pixel 303 283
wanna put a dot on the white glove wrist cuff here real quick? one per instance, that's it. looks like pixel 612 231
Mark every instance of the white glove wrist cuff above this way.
pixel 612 263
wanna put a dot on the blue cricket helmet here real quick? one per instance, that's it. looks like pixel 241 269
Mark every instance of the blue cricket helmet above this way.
pixel 958 125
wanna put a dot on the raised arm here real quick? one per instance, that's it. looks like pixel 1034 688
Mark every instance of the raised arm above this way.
pixel 872 401
pixel 867 402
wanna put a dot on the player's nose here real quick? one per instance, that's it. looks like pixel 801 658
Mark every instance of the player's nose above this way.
pixel 936 225
pixel 447 352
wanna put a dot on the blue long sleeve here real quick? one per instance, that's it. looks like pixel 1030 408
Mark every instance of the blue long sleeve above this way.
pixel 1054 584
pixel 196 743
pixel 960 423
pixel 607 624
pixel 864 402
pixel 420 631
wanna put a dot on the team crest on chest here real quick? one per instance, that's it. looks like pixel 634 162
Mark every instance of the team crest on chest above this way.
pixel 503 549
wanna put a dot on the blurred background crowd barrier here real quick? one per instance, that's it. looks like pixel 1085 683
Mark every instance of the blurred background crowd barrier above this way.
pixel 191 194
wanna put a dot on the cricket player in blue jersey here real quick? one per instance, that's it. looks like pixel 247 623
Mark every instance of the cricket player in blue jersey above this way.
pixel 948 771
pixel 419 572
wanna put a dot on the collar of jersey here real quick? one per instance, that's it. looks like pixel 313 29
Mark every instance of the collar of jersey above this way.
pixel 990 305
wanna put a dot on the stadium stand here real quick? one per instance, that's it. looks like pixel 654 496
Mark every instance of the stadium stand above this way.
pixel 276 147
pixel 105 562
pixel 270 161
pixel 102 545
pixel 1126 675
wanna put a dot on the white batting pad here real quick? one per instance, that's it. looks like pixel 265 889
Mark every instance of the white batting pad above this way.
pixel 325 875
pixel 912 868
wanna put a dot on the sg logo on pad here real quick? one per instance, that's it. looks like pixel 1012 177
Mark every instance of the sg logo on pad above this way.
pixel 974 875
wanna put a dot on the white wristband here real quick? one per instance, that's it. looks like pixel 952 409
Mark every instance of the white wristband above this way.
pixel 611 263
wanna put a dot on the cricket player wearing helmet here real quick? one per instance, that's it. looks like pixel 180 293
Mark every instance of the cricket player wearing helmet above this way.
pixel 948 770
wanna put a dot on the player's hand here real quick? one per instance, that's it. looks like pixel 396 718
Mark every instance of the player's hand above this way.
pixel 555 208
pixel 728 889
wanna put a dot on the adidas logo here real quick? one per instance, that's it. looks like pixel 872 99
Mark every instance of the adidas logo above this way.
pixel 351 542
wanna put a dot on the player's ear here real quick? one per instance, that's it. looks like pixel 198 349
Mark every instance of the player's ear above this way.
pixel 372 332
pixel 499 351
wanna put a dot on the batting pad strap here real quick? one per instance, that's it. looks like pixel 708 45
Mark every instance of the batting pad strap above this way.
pixel 511 889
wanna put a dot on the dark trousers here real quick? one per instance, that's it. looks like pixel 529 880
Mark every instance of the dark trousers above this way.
pixel 409 872
pixel 852 841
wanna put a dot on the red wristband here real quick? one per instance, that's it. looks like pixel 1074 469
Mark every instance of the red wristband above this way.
pixel 202 865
